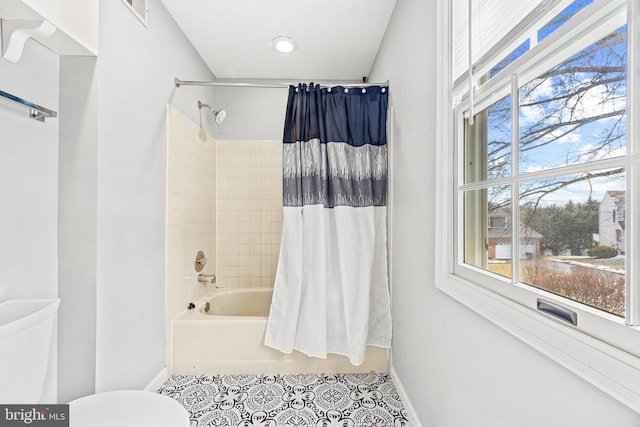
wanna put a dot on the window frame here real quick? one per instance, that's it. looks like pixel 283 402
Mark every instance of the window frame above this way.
pixel 602 349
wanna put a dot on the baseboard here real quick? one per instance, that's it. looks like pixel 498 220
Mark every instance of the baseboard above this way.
pixel 158 380
pixel 411 413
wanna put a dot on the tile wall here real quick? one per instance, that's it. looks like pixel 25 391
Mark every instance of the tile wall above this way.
pixel 249 212
pixel 191 210
pixel 224 198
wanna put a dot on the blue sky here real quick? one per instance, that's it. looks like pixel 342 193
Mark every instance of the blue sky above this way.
pixel 546 106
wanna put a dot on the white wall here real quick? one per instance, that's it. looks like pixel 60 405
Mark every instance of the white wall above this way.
pixel 112 193
pixel 29 178
pixel 77 203
pixel 252 113
pixel 136 67
pixel 458 369
pixel 83 196
pixel 29 185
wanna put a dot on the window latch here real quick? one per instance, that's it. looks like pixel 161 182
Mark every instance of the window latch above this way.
pixel 558 311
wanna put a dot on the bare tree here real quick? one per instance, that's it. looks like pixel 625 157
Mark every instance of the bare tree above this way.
pixel 582 98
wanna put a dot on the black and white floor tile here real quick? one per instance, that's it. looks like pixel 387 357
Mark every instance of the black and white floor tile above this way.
pixel 345 400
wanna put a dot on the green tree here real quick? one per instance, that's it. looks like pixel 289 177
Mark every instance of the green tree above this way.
pixel 564 227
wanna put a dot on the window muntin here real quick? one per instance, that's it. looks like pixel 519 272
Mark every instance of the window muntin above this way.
pixel 510 58
pixel 539 28
pixel 479 181
pixel 575 112
pixel 492 20
pixel 560 19
pixel 487 228
pixel 568 217
pixel 488 143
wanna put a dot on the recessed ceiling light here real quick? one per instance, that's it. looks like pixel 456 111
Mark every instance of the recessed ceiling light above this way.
pixel 284 44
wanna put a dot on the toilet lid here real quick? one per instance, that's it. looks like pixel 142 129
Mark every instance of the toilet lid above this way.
pixel 127 408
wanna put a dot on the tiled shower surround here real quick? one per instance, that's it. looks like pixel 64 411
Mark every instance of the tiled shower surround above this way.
pixel 249 212
pixel 191 209
pixel 225 198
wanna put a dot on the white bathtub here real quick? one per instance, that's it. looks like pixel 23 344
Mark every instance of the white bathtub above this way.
pixel 229 340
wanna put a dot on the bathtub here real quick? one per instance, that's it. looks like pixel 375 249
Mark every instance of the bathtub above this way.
pixel 229 339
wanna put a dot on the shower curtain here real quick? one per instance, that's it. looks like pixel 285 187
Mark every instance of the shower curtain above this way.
pixel 331 289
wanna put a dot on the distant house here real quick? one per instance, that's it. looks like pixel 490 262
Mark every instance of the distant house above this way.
pixel 611 220
pixel 499 238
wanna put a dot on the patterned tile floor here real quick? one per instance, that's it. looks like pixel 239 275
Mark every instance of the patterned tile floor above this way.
pixel 349 400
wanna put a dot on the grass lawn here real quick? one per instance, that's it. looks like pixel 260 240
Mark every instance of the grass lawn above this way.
pixel 502 268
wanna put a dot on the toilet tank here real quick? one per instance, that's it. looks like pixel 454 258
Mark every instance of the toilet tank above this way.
pixel 26 332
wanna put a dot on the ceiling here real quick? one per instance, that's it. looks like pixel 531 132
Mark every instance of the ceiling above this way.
pixel 337 39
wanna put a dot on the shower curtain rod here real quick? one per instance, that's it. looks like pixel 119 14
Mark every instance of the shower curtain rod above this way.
pixel 179 83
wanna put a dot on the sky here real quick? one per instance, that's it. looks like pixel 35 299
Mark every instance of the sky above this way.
pixel 544 104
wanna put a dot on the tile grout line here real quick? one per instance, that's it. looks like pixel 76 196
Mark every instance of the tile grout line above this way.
pixel 352 400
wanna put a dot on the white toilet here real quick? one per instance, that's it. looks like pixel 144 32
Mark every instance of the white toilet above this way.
pixel 127 408
pixel 26 332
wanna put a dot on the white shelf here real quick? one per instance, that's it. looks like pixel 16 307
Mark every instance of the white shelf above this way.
pixel 76 24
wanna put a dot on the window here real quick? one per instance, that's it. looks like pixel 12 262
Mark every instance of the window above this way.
pixel 497 221
pixel 542 167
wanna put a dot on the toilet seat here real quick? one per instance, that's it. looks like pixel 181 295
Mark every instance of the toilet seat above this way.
pixel 127 408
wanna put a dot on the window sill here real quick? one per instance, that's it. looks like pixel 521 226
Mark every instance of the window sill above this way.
pixel 608 368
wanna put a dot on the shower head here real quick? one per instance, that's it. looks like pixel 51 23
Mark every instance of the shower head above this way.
pixel 219 115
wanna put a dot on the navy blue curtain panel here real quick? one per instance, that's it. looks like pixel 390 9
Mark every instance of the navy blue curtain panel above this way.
pixel 356 116
pixel 335 146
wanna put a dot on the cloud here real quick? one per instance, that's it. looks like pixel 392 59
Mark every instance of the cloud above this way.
pixel 535 168
pixel 570 138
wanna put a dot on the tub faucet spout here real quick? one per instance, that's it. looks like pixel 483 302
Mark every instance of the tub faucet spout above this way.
pixel 207 278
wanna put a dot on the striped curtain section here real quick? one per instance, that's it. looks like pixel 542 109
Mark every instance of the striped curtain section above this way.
pixel 331 288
